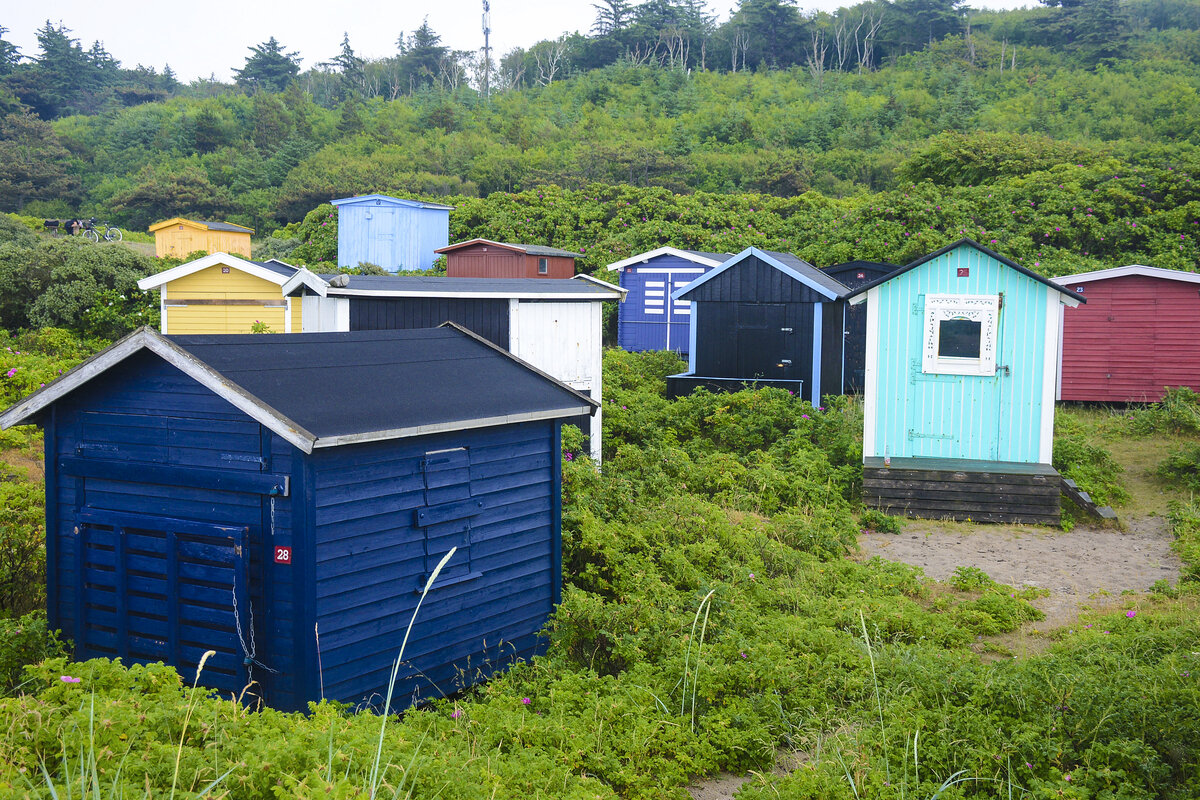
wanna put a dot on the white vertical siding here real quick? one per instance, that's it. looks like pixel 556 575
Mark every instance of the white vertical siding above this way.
pixel 563 340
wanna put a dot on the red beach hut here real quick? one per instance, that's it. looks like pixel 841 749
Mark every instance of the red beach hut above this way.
pixel 1138 333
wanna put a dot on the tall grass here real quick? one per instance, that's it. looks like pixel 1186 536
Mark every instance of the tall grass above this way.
pixel 376 777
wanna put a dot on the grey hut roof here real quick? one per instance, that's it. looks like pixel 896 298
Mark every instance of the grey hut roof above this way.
pixel 329 389
pixel 278 267
pixel 529 249
pixel 581 287
pixel 706 254
pixel 791 265
pixel 968 242
pixel 225 226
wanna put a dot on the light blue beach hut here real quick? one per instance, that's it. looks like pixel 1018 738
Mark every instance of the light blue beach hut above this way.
pixel 961 360
pixel 390 232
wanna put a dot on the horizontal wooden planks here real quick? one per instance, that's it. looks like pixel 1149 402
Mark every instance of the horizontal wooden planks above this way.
pixel 1135 335
pixel 979 496
pixel 373 555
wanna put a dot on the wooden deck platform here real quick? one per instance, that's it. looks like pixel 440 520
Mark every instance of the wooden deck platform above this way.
pixel 961 489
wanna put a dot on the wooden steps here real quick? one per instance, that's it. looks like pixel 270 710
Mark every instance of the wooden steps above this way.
pixel 1084 501
pixel 960 489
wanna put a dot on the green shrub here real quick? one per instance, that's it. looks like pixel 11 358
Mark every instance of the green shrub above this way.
pixel 879 522
pixel 1184 521
pixel 1177 413
pixel 1182 468
pixel 24 641
pixel 22 543
pixel 1091 466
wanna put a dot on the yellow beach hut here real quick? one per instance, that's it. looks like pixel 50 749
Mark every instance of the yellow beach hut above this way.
pixel 177 237
pixel 222 293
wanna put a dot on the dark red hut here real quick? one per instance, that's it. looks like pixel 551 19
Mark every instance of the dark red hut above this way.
pixel 482 258
pixel 1138 332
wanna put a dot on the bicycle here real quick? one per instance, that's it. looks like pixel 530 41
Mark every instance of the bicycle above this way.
pixel 111 234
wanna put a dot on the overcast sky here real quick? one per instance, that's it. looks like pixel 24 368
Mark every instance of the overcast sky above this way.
pixel 213 37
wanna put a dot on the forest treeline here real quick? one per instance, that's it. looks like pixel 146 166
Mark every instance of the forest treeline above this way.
pixel 771 102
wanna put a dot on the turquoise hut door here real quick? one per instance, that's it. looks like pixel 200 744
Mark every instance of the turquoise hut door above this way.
pixel 954 411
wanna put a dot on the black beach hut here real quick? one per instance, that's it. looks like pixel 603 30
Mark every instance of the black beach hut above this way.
pixel 855 274
pixel 766 318
pixel 263 496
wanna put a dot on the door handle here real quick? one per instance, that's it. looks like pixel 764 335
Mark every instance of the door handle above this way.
pixel 1004 367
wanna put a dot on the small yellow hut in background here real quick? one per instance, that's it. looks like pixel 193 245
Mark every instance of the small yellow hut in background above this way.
pixel 222 293
pixel 177 237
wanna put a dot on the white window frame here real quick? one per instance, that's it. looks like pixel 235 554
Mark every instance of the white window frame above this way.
pixel 981 308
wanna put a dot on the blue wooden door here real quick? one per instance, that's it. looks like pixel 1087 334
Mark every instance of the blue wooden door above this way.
pixel 381 238
pixel 161 589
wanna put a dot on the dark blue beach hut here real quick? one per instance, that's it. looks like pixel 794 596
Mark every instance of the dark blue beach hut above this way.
pixel 855 274
pixel 390 232
pixel 281 500
pixel 649 319
pixel 764 318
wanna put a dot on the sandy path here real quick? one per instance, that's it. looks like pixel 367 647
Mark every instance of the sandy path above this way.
pixel 1076 567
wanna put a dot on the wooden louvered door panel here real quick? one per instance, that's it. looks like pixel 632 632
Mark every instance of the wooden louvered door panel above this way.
pixel 161 589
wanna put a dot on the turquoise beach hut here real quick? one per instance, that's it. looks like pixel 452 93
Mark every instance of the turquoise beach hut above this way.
pixel 961 360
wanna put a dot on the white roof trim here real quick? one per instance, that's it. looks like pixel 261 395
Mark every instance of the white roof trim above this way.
pixel 602 284
pixel 641 258
pixel 224 259
pixel 763 256
pixel 185 362
pixel 304 277
pixel 443 427
pixel 1132 269
pixel 333 292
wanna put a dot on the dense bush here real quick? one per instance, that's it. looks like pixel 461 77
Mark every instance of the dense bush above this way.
pixel 74 284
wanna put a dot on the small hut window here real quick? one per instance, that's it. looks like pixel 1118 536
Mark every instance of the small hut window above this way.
pixel 960 334
pixel 959 338
pixel 543 266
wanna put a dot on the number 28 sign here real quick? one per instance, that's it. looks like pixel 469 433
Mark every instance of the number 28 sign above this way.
pixel 283 555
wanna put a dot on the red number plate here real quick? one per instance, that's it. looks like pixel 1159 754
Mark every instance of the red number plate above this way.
pixel 283 555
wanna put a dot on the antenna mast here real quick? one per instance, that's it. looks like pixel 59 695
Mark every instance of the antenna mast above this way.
pixel 487 50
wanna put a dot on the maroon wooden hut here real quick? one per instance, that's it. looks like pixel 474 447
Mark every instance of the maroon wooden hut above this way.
pixel 482 258
pixel 1138 333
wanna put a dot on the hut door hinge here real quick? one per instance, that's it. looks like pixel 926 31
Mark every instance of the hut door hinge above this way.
pixel 1000 305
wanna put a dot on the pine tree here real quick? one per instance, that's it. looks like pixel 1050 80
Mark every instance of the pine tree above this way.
pixel 268 67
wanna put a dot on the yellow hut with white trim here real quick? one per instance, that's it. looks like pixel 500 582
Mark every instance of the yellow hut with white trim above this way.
pixel 222 293
pixel 178 236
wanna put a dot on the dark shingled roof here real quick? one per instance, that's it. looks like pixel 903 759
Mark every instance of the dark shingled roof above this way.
pixel 339 384
pixel 278 267
pixel 224 226
pixel 713 256
pixel 809 271
pixel 542 250
pixel 497 286
pixel 530 249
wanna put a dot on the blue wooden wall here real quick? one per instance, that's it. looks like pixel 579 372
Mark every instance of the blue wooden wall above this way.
pixel 147 461
pixel 132 448
pixel 372 555
pixel 391 233
pixel 649 319
pixel 990 418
